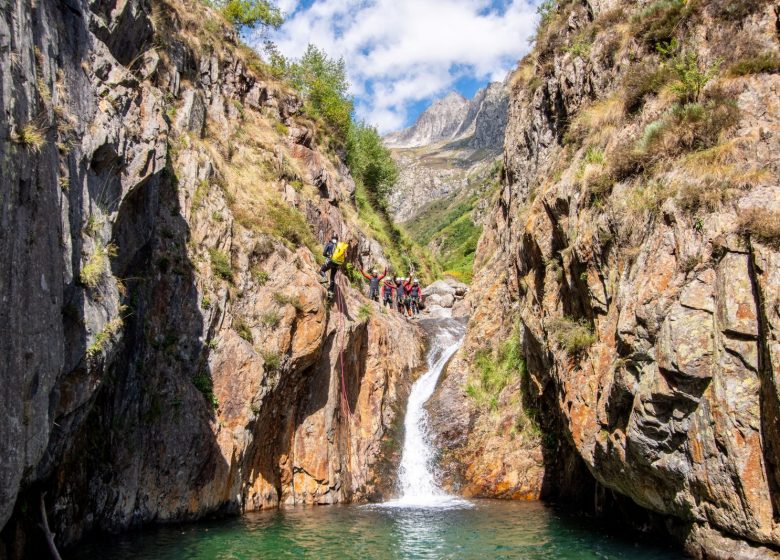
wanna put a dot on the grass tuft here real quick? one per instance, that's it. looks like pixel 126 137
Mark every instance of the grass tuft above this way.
pixel 572 335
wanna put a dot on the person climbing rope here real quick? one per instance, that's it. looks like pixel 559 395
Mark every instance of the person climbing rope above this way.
pixel 327 252
pixel 373 282
pixel 336 253
pixel 415 297
pixel 388 293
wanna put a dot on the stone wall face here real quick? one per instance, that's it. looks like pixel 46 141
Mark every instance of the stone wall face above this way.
pixel 674 402
pixel 167 353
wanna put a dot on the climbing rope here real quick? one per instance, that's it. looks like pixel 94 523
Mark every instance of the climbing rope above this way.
pixel 341 305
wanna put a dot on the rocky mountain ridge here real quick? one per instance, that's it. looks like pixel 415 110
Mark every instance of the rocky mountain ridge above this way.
pixel 479 122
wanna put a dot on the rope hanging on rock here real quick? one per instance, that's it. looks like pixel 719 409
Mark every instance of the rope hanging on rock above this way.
pixel 341 306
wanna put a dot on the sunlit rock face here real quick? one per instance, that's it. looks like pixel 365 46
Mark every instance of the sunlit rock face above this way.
pixel 168 351
pixel 646 312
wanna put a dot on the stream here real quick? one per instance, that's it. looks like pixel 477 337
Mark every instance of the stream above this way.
pixel 424 522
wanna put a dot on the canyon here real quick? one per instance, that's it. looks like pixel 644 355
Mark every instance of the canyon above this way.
pixel 170 354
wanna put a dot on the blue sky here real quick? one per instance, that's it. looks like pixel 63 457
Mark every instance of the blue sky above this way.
pixel 402 54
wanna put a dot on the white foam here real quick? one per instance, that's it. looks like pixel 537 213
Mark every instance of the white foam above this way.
pixel 417 478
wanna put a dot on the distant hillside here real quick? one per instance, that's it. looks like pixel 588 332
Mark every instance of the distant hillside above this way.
pixel 448 165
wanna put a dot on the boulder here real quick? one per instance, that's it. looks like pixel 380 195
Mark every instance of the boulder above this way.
pixel 440 287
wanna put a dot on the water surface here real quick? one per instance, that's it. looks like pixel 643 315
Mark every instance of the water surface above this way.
pixel 488 529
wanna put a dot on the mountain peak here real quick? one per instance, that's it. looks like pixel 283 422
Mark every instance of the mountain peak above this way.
pixel 449 118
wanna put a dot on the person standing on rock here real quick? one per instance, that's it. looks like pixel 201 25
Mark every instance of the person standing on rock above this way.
pixel 400 294
pixel 373 282
pixel 415 297
pixel 388 291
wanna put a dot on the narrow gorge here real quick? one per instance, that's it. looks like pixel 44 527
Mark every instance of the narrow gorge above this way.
pixel 605 222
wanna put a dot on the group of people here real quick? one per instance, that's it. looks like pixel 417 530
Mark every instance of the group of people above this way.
pixel 402 293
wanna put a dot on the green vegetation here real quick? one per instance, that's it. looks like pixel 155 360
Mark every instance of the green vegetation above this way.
pixel 260 276
pixel 102 338
pixel 371 163
pixel 496 371
pixel 364 312
pixel 31 136
pixel 205 302
pixel 97 264
pixel 270 319
pixel 766 63
pixel 288 224
pixel 283 299
pixel 572 335
pixel 249 13
pixel 220 264
pixel 322 82
pixel 691 76
pixel 271 360
pixel 243 330
pixel 204 384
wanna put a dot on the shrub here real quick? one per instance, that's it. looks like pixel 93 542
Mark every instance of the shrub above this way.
pixel 496 371
pixel 660 21
pixel 270 319
pixel 203 383
pixel 271 360
pixel 243 330
pixel 766 63
pixel 281 129
pixel 364 312
pixel 572 335
pixel 220 264
pixel 205 302
pixel 736 10
pixel 691 75
pixel 322 81
pixel 97 264
pixel 260 276
pixel 641 81
pixel 102 338
pixel 289 225
pixel 579 48
pixel 761 223
pixel 283 299
pixel 370 162
pixel 31 136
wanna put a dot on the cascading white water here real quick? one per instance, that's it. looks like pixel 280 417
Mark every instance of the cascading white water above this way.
pixel 416 475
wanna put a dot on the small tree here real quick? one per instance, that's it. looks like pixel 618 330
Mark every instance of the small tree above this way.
pixel 250 13
pixel 323 83
pixel 691 76
pixel 370 161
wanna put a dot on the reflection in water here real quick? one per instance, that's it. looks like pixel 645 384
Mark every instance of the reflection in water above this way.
pixel 490 529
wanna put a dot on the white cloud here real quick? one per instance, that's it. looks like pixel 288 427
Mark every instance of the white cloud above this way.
pixel 400 52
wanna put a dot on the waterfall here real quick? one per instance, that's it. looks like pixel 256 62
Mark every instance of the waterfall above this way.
pixel 417 479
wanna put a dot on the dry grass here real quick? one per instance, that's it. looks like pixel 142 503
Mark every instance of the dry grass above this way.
pixel 762 224
pixel 571 335
pixel 597 123
pixel 31 136
pixel 97 264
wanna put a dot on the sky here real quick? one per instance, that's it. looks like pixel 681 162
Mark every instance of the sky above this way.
pixel 403 54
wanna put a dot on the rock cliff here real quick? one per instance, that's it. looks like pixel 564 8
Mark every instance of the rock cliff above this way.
pixel 626 286
pixel 168 350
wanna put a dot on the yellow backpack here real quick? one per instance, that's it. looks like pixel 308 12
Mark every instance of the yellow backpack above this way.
pixel 340 252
